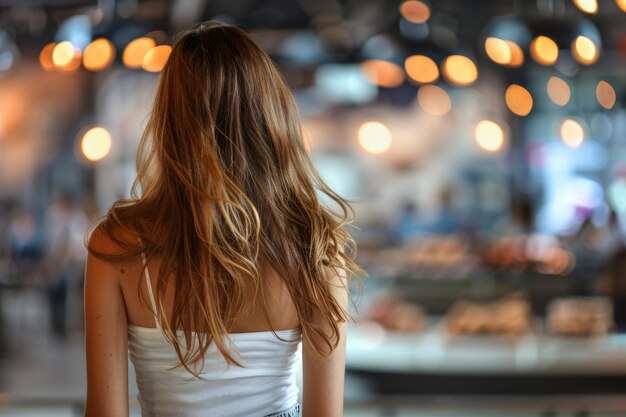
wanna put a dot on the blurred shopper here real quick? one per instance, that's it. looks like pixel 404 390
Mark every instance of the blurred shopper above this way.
pixel 24 247
pixel 239 260
pixel 447 220
pixel 65 226
pixel 407 226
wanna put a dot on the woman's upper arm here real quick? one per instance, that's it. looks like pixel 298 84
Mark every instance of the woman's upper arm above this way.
pixel 106 336
pixel 323 376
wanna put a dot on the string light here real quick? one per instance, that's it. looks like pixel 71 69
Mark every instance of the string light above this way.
pixel 434 100
pixel 374 137
pixel 572 133
pixel 136 50
pixel 584 50
pixel 421 69
pixel 63 53
pixel 606 95
pixel 544 50
pixel 96 143
pixel 99 54
pixel 45 57
pixel 459 70
pixel 156 58
pixel 74 63
pixel 503 52
pixel 489 135
pixel 587 6
pixel 415 11
pixel 558 91
pixel 518 100
pixel 382 73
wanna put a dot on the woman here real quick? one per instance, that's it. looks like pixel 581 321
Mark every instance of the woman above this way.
pixel 227 236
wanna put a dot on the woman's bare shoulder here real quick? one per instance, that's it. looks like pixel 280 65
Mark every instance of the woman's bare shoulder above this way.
pixel 107 238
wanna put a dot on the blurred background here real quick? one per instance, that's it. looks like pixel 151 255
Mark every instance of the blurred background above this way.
pixel 483 144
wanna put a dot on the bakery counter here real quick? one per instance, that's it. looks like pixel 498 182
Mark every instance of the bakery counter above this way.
pixel 434 362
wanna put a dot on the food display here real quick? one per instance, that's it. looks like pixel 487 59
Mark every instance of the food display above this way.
pixel 509 316
pixel 431 258
pixel 580 316
pixel 393 313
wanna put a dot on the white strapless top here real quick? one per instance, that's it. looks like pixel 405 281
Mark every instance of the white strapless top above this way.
pixel 265 385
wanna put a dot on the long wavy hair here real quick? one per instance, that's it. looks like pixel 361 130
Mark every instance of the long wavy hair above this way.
pixel 225 189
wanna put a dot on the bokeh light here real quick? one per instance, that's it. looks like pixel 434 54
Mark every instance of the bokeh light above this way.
pixel 518 100
pixel 96 143
pixel 459 70
pixel 98 55
pixel 415 11
pixel 585 51
pixel 63 53
pixel 74 63
pixel 136 50
pixel 544 50
pixel 434 100
pixel 558 91
pixel 504 52
pixel 45 57
pixel 621 4
pixel 489 135
pixel 572 133
pixel 156 58
pixel 421 69
pixel 374 137
pixel 498 50
pixel 605 93
pixel 382 73
pixel 587 6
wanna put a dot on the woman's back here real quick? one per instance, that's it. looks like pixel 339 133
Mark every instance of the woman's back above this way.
pixel 265 385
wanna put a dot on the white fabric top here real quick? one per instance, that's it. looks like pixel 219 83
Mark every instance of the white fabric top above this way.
pixel 265 385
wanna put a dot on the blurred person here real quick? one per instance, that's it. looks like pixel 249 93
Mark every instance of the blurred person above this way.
pixel 407 226
pixel 23 242
pixel 447 219
pixel 64 228
pixel 225 232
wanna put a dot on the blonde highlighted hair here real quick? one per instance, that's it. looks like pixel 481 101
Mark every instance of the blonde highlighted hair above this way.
pixel 225 189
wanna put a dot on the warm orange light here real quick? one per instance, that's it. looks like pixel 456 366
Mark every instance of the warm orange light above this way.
pixel 498 50
pixel 572 133
pixel 99 54
pixel 544 50
pixel 382 73
pixel 558 91
pixel 518 100
pixel 517 55
pixel 459 70
pixel 74 62
pixel 421 69
pixel 587 6
pixel 503 52
pixel 621 4
pixel 415 11
pixel 434 100
pixel 156 58
pixel 63 53
pixel 45 57
pixel 489 135
pixel 374 137
pixel 606 95
pixel 585 51
pixel 96 143
pixel 136 50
